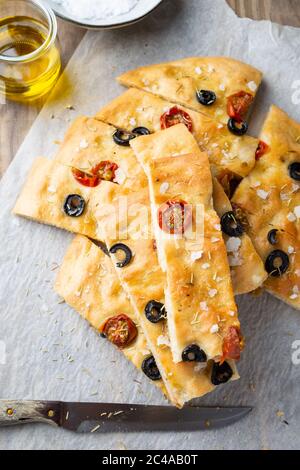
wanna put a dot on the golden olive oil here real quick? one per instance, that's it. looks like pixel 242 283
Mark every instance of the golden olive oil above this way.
pixel 24 77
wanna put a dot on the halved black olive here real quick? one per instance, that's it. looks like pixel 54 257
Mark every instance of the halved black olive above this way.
pixel 141 131
pixel 237 128
pixel 74 205
pixel 149 367
pixel 272 236
pixel 155 311
pixel 294 170
pixel 193 353
pixel 231 226
pixel 221 373
pixel 206 97
pixel 123 138
pixel 271 264
pixel 127 251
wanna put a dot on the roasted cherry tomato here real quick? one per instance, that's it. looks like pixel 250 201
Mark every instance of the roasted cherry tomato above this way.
pixel 119 330
pixel 86 179
pixel 232 344
pixel 238 105
pixel 174 217
pixel 176 116
pixel 261 150
pixel 105 170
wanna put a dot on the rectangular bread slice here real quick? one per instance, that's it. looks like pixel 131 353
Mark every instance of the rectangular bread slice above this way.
pixel 88 283
pixel 199 295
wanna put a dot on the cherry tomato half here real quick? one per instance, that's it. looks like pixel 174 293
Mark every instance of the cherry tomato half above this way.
pixel 238 105
pixel 174 217
pixel 261 150
pixel 119 330
pixel 232 344
pixel 86 179
pixel 176 116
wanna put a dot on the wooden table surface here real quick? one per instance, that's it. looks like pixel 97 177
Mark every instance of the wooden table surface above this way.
pixel 16 119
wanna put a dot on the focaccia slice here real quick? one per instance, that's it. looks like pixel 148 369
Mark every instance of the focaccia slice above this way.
pixel 88 283
pixel 144 282
pixel 246 266
pixel 199 296
pixel 232 85
pixel 52 195
pixel 232 157
pixel 268 203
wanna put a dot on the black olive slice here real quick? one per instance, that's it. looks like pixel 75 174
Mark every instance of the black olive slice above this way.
pixel 126 250
pixel 74 205
pixel 231 226
pixel 237 128
pixel 206 97
pixel 193 353
pixel 272 237
pixel 155 311
pixel 221 373
pixel 141 131
pixel 123 138
pixel 294 170
pixel 271 264
pixel 149 367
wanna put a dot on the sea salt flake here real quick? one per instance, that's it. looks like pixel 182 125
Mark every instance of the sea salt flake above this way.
pixel 212 293
pixel 205 266
pixel 198 70
pixel 52 189
pixel 214 329
pixel 291 217
pixel 204 306
pixel 164 188
pixel 132 122
pixel 120 176
pixel 291 250
pixel 297 212
pixel 222 87
pixel 83 144
pixel 218 227
pixel 215 239
pixel 233 244
pixel 231 313
pixel 252 86
pixel 263 194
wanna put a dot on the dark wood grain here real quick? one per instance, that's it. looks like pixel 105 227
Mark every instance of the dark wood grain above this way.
pixel 16 119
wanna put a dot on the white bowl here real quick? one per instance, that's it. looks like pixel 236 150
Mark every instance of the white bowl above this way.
pixel 142 9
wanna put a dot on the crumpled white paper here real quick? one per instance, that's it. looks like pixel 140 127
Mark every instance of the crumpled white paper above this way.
pixel 51 353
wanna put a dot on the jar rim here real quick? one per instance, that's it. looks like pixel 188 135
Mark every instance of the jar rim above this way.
pixel 48 42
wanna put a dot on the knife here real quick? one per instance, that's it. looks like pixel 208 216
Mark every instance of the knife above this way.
pixel 113 417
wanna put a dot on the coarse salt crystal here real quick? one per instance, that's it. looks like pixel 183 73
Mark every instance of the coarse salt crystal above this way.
pixel 297 212
pixel 291 217
pixel 231 313
pixel 218 227
pixel 233 244
pixel 263 194
pixel 83 144
pixel 215 239
pixel 291 250
pixel 214 329
pixel 196 255
pixel 198 70
pixel 132 121
pixel 222 87
pixel 51 189
pixel 164 188
pixel 204 306
pixel 252 86
pixel 212 293
pixel 120 176
pixel 205 266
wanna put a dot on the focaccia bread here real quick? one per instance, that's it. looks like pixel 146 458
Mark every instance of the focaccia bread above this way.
pixel 220 87
pixel 199 298
pixel 268 204
pixel 144 282
pixel 246 266
pixel 90 142
pixel 230 156
pixel 87 281
pixel 52 195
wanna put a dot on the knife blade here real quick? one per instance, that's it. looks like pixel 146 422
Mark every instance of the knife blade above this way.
pixel 114 417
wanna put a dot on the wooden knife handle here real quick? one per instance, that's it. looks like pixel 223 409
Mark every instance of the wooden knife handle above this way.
pixel 22 412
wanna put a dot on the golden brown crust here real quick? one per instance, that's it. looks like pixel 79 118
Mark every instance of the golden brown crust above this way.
pixel 201 306
pixel 88 283
pixel 178 81
pixel 270 199
pixel 44 193
pixel 246 267
pixel 227 153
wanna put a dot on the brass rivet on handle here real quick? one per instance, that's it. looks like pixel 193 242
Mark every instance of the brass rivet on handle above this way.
pixel 51 413
pixel 10 411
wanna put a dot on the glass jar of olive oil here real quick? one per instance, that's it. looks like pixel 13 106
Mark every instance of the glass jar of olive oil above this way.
pixel 29 51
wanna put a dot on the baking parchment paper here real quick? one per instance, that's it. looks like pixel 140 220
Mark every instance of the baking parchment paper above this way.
pixel 46 350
